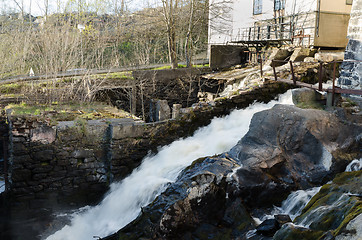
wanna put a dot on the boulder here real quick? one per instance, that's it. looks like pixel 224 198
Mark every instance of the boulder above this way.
pixel 353 230
pixel 305 96
pixel 282 219
pixel 268 227
pixel 291 231
pixel 292 146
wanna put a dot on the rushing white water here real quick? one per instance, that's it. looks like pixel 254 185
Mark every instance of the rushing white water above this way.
pixel 297 200
pixel 291 206
pixel 355 165
pixel 123 202
pixel 326 159
pixel 2 186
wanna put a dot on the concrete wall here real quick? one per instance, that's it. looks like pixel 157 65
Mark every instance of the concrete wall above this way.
pixel 335 6
pixel 223 56
pixel 332 30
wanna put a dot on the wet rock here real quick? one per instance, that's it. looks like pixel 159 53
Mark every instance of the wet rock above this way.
pixel 268 227
pixel 353 230
pixel 299 144
pixel 282 219
pixel 335 205
pixel 291 231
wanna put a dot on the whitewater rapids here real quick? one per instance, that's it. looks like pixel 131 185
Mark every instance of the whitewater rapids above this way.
pixel 123 202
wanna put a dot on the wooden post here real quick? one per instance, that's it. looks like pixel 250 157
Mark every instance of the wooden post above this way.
pixel 320 75
pixel 261 66
pixel 333 83
pixel 275 73
pixel 292 70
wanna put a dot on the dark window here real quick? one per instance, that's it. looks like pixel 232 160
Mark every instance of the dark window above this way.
pixel 258 6
pixel 349 2
pixel 279 5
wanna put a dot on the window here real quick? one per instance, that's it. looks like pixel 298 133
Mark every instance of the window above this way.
pixel 279 5
pixel 258 5
pixel 349 2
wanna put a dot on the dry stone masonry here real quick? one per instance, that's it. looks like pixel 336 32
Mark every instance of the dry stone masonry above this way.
pixel 351 74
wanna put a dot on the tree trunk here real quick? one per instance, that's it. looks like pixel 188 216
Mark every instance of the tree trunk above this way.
pixel 188 36
pixel 168 11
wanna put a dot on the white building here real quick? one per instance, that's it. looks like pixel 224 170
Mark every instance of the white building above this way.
pixel 318 23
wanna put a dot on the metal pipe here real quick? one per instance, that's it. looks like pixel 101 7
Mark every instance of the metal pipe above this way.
pixel 318 17
pixel 293 76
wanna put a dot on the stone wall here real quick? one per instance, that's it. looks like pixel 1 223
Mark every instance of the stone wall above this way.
pixel 90 154
pixel 351 73
pixel 73 155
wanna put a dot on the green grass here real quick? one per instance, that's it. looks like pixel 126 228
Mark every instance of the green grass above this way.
pixel 10 88
pixel 68 112
pixel 115 75
pixel 180 66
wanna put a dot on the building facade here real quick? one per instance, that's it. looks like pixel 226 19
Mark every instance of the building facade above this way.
pixel 318 23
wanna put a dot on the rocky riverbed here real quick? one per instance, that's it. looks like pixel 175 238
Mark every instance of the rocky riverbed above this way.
pixel 286 149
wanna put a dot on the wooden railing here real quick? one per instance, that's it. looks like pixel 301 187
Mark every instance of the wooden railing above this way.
pixel 334 89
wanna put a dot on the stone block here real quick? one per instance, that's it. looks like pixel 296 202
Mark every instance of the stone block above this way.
pixel 278 54
pixel 43 134
pixel 304 95
pixel 163 111
pixel 300 53
pixel 329 56
pixel 128 130
pixel 43 155
pixel 96 128
pixel 19 175
pixel 176 110
pixel 82 153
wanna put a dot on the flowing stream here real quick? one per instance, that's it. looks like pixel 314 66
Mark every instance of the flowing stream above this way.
pixel 123 202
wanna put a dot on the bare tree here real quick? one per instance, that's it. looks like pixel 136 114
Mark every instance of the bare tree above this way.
pixel 169 8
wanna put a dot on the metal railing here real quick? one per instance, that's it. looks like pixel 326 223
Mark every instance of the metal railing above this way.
pixel 267 31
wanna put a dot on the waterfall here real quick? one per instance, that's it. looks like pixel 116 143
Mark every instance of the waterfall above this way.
pixel 123 202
